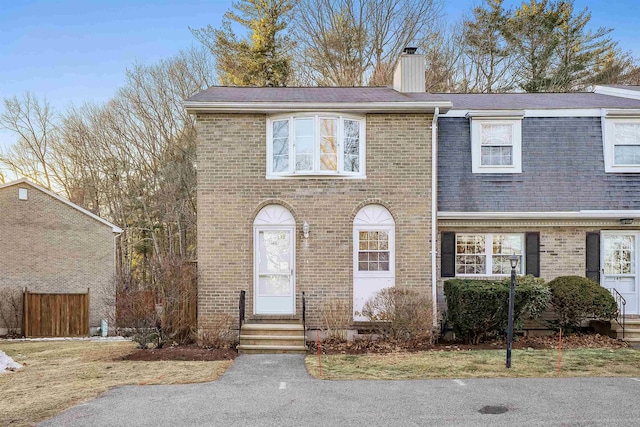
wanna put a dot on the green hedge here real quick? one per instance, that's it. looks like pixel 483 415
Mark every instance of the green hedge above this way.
pixel 480 308
pixel 576 298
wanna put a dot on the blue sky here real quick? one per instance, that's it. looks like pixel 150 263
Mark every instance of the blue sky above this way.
pixel 75 51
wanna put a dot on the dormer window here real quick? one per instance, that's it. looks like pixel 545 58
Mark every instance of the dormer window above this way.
pixel 622 144
pixel 315 144
pixel 496 142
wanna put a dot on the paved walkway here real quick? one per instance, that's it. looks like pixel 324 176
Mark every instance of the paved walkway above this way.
pixel 275 390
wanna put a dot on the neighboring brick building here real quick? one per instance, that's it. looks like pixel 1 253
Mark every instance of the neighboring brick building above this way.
pixel 51 245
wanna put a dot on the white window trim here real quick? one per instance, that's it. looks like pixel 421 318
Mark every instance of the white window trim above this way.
pixel 476 131
pixel 488 252
pixel 316 173
pixel 608 145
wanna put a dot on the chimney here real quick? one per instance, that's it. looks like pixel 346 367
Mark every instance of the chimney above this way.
pixel 409 73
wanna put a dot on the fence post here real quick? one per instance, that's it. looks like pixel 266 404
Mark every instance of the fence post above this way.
pixel 25 312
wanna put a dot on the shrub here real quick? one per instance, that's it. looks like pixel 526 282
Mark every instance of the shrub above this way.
pixel 576 298
pixel 336 316
pixel 222 332
pixel 11 310
pixel 479 308
pixel 401 314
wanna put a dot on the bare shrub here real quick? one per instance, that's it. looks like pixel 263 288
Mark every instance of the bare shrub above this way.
pixel 11 310
pixel 401 314
pixel 336 318
pixel 220 333
pixel 165 312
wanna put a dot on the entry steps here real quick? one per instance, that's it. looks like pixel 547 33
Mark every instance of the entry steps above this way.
pixel 268 338
pixel 631 331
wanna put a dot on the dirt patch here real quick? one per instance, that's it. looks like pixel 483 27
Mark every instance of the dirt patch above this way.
pixel 191 353
pixel 365 346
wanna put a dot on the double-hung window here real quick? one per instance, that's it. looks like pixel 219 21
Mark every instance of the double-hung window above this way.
pixel 496 143
pixel 315 144
pixel 622 145
pixel 488 254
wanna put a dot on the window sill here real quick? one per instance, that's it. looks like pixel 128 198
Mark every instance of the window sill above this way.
pixel 622 169
pixel 316 176
pixel 504 170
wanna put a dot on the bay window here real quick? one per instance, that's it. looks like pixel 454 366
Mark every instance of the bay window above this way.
pixel 315 144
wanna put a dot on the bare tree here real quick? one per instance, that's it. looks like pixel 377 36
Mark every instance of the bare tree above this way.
pixel 357 42
pixel 33 122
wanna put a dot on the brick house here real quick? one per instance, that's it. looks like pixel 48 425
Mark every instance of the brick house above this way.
pixel 339 192
pixel 54 246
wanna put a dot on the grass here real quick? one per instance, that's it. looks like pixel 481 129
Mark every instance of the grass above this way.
pixel 59 374
pixel 478 364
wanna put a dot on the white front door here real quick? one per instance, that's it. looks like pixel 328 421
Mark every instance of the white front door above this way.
pixel 619 265
pixel 373 255
pixel 274 282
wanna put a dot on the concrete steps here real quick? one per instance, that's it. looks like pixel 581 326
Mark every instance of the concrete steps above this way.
pixel 265 337
pixel 631 331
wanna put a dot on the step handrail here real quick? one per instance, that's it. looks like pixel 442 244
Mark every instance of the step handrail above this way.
pixel 304 313
pixel 621 302
pixel 241 310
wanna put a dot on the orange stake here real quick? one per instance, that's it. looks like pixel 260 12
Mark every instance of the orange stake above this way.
pixel 319 358
pixel 559 351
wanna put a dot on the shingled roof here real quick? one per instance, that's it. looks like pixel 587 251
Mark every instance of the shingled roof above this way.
pixel 521 101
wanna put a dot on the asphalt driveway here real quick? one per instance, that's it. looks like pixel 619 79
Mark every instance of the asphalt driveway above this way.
pixel 275 390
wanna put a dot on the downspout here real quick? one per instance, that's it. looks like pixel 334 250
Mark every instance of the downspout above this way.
pixel 434 212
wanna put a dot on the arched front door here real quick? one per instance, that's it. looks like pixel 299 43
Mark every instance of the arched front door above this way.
pixel 274 261
pixel 373 254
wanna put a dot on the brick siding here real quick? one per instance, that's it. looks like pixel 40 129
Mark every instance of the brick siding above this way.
pixel 232 188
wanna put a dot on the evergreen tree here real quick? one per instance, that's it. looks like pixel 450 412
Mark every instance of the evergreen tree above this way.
pixel 263 58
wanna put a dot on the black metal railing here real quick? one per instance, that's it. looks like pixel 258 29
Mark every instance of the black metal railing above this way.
pixel 241 309
pixel 620 319
pixel 304 313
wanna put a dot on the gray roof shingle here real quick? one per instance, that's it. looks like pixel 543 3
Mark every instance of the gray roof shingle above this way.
pixel 309 94
pixel 520 101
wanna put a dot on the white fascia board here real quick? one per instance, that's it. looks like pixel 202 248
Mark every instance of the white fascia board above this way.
pixel 616 91
pixel 114 227
pixel 583 214
pixel 193 107
pixel 566 112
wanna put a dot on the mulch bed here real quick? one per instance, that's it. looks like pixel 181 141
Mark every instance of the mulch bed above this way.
pixel 191 353
pixel 536 343
pixel 365 346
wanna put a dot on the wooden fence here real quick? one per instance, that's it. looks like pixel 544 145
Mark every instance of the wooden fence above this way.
pixel 55 315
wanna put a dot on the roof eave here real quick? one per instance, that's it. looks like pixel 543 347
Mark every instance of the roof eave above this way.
pixel 194 107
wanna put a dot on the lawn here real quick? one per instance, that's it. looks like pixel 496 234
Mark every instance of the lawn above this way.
pixel 623 362
pixel 59 374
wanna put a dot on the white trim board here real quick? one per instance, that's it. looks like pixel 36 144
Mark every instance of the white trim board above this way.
pixel 582 214
pixel 194 107
pixel 568 112
pixel 114 227
pixel 617 91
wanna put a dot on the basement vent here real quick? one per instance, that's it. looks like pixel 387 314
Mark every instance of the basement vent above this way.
pixel 22 194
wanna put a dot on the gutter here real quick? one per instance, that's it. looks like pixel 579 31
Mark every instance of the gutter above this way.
pixel 434 212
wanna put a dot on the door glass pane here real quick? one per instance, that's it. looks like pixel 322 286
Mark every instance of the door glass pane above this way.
pixel 374 251
pixel 274 252
pixel 280 146
pixel 619 255
pixel 304 144
pixel 328 144
pixel 274 285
